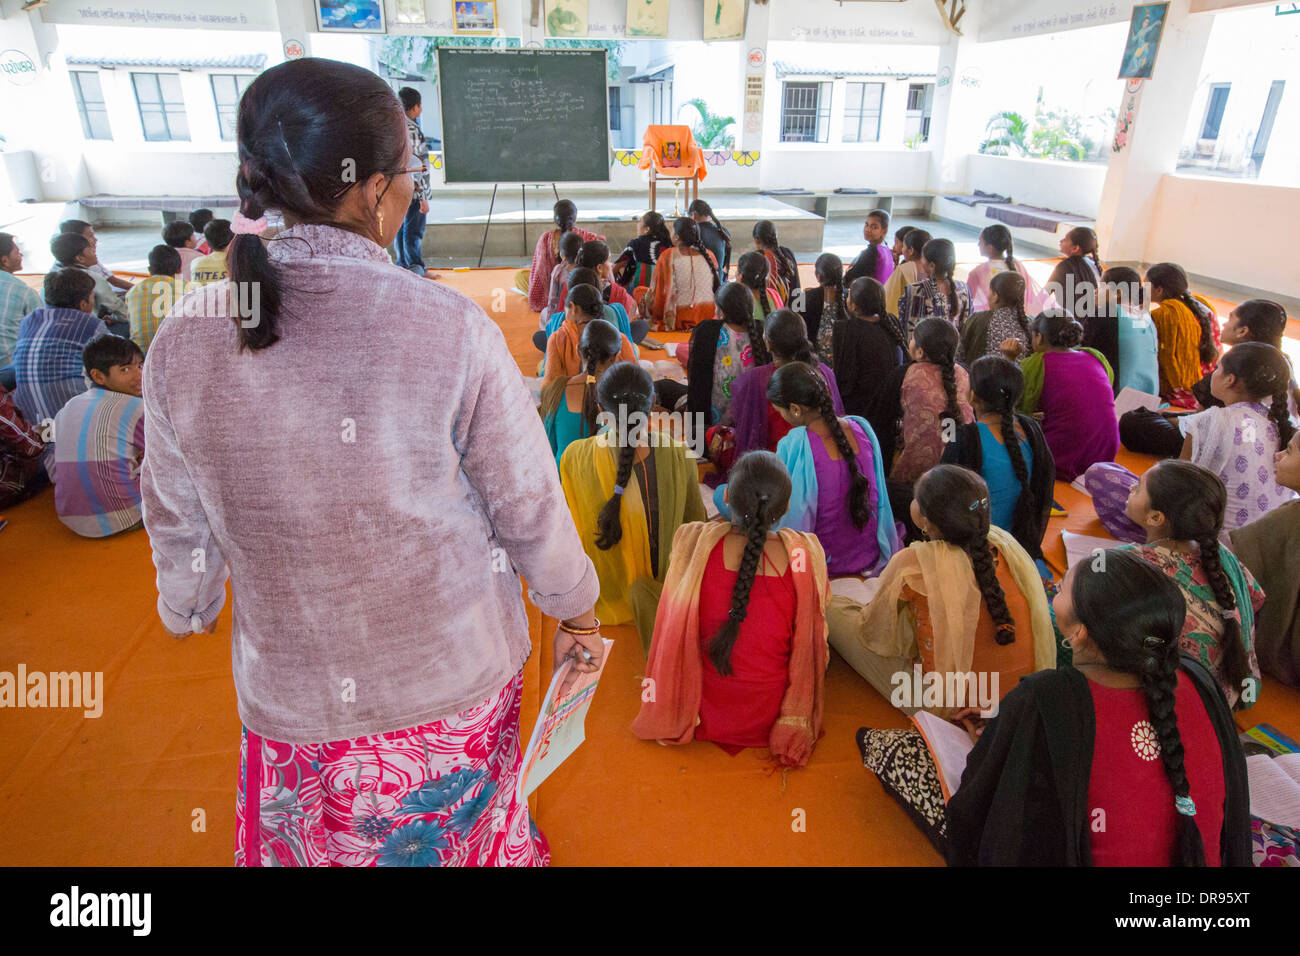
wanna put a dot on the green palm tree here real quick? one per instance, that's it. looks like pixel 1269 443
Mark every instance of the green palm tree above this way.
pixel 711 130
pixel 1008 135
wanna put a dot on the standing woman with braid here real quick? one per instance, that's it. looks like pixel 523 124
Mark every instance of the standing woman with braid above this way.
pixel 1008 451
pixel 686 279
pixel 1131 729
pixel 933 397
pixel 997 249
pixel 739 653
pixel 838 484
pixel 968 598
pixel 784 266
pixel 1074 281
pixel 1072 388
pixel 1187 334
pixel 547 252
pixel 395 584
pixel 628 489
pixel 936 294
pixel 1179 506
pixel 568 407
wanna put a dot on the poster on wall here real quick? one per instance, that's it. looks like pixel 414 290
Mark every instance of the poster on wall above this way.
pixel 724 19
pixel 1144 33
pixel 566 18
pixel 475 17
pixel 647 18
pixel 411 11
pixel 350 16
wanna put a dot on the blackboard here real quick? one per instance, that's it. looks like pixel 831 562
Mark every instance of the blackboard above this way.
pixel 524 116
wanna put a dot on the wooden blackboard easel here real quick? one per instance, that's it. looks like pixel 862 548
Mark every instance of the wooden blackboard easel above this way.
pixel 523 212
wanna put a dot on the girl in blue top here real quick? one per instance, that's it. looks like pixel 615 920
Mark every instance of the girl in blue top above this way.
pixel 568 407
pixel 1120 298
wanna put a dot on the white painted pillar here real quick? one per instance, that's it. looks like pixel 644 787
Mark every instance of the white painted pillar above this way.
pixel 1153 115
pixel 957 115
pixel 755 78
pixel 296 20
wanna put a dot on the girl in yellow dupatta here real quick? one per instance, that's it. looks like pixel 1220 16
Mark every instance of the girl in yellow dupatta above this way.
pixel 969 600
pixel 736 678
pixel 607 480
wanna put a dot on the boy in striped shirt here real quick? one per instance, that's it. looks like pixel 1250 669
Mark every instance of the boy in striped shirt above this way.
pixel 99 443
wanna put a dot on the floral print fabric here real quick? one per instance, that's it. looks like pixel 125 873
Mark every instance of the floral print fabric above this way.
pixel 441 794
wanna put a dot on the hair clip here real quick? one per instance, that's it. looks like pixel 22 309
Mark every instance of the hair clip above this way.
pixel 591 380
pixel 1185 806
pixel 1152 641
pixel 979 503
pixel 618 490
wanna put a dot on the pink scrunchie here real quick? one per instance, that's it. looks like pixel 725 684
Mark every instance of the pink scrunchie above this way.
pixel 242 225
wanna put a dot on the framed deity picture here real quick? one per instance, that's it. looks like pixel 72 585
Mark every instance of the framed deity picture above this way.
pixel 671 155
pixel 475 17
pixel 351 16
pixel 1144 32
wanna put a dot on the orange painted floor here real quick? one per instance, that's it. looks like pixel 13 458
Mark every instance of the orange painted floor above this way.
pixel 152 781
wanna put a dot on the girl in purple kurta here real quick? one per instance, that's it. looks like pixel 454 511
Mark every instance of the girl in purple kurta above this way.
pixel 1071 386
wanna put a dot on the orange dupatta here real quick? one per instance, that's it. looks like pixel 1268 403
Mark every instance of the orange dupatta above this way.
pixel 675 667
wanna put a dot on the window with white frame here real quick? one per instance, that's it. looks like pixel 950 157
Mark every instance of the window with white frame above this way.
pixel 805 112
pixel 162 110
pixel 1214 108
pixel 90 105
pixel 916 125
pixel 227 88
pixel 862 112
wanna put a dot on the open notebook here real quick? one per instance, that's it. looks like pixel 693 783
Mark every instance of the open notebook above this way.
pixel 1275 788
pixel 949 745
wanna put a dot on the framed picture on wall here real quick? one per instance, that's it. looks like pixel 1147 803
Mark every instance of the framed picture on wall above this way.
pixel 724 19
pixel 475 17
pixel 566 18
pixel 411 11
pixel 647 18
pixel 1144 32
pixel 351 16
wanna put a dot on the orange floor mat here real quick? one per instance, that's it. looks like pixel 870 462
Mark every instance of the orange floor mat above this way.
pixel 152 781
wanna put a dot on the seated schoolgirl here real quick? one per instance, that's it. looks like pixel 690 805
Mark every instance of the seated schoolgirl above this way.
pixel 754 273
pixel 595 255
pixel 1004 328
pixel 714 234
pixel 547 252
pixel 629 489
pixel 1187 331
pixel 739 651
pixel 1267 546
pixel 1071 386
pixel 875 261
pixel 829 307
pixel 1129 730
pixel 582 305
pixel 908 269
pixel 567 249
pixel 838 483
pixel 568 406
pixel 997 249
pixel 1073 283
pixel 612 313
pixel 685 281
pixel 966 599
pixel 934 389
pixel 1237 442
pixel 869 348
pixel 935 294
pixel 634 268
pixel 899 249
pixel 758 426
pixel 1255 320
pixel 1008 451
pixel 781 261
pixel 1124 333
pixel 1179 507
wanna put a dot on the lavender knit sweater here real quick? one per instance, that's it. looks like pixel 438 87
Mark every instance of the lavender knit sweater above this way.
pixel 370 479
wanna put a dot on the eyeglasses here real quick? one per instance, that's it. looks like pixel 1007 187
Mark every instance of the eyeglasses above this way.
pixel 390 173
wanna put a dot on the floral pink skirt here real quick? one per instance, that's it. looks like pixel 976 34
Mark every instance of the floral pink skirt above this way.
pixel 441 794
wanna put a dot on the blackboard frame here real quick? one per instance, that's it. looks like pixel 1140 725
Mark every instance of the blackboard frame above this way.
pixel 512 52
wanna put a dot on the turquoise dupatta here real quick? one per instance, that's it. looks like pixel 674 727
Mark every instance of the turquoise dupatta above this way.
pixel 796 454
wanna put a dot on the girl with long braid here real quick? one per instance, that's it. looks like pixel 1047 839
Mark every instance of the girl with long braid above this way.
pixel 739 653
pixel 685 280
pixel 1071 386
pixel 784 266
pixel 998 251
pixel 1187 331
pixel 1004 328
pixel 1237 441
pixel 838 482
pixel 1008 451
pixel 1130 730
pixel 546 254
pixel 754 273
pixel 568 406
pixel 966 599
pixel 583 304
pixel 936 293
pixel 714 235
pixel 826 313
pixel 721 348
pixel 628 489
pixel 1180 507
pixel 931 399
pixel 908 269
pixel 1074 281
pixel 634 268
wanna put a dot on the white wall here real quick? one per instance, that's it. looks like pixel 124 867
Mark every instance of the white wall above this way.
pixel 1238 232
pixel 1052 184
pixel 793 165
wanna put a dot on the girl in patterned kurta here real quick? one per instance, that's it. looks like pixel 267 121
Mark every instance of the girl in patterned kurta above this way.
pixel 936 293
pixel 1179 506
pixel 546 255
pixel 784 267
pixel 830 276
pixel 935 389
pixel 685 281
pixel 635 266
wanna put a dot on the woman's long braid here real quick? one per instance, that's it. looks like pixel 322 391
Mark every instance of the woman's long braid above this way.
pixel 1158 674
pixel 1236 665
pixel 696 241
pixel 1281 416
pixel 1206 348
pixel 755 527
pixel 1008 428
pixel 954 304
pixel 609 529
pixel 757 344
pixel 590 410
pixel 947 363
pixel 894 331
pixel 1022 319
pixel 859 484
pixel 986 576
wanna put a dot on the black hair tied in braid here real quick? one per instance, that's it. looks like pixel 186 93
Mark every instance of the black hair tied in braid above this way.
pixel 623 391
pixel 736 304
pixel 752 269
pixel 599 343
pixel 759 493
pixel 1264 373
pixel 803 385
pixel 938 340
pixel 1134 612
pixel 998 384
pixel 688 234
pixel 787 337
